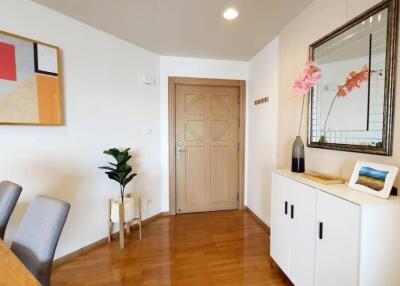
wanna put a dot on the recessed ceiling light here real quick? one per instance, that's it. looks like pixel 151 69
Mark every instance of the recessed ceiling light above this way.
pixel 231 14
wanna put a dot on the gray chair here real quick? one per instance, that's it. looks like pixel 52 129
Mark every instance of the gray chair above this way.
pixel 38 234
pixel 9 194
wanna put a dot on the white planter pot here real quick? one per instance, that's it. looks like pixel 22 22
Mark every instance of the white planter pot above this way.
pixel 129 210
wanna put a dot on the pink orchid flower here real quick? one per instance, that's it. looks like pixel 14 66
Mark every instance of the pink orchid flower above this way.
pixel 353 81
pixel 307 79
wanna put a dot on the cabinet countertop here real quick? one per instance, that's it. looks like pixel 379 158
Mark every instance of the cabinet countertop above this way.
pixel 340 190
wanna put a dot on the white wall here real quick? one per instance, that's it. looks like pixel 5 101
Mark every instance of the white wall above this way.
pixel 262 123
pixel 189 67
pixel 318 19
pixel 105 105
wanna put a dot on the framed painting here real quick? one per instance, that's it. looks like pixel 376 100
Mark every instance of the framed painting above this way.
pixel 374 179
pixel 30 82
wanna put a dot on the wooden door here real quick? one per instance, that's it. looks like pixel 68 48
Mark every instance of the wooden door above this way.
pixel 337 253
pixel 303 212
pixel 207 162
pixel 280 221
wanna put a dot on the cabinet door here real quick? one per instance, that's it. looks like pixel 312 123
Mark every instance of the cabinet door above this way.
pixel 302 256
pixel 337 252
pixel 280 228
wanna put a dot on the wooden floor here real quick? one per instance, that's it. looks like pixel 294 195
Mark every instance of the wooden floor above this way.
pixel 215 248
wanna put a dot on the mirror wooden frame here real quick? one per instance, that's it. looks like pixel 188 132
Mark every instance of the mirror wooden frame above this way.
pixel 390 81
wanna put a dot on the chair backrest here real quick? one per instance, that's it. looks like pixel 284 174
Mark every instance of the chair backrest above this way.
pixel 38 234
pixel 9 194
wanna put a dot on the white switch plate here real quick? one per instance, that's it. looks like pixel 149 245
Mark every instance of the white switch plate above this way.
pixel 148 79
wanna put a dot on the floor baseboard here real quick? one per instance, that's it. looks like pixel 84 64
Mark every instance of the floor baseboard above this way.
pixel 259 221
pixel 102 241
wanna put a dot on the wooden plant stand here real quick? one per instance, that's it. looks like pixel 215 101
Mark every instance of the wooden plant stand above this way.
pixel 121 222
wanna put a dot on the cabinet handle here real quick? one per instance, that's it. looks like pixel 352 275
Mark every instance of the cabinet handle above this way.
pixel 286 207
pixel 291 211
pixel 321 230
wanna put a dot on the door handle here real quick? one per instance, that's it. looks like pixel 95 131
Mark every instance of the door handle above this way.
pixel 286 207
pixel 179 149
pixel 292 211
pixel 321 230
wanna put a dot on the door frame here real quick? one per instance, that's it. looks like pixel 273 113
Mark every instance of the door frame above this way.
pixel 172 83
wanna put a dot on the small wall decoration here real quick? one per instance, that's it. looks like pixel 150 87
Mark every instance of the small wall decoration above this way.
pixel 261 100
pixel 374 179
pixel 30 89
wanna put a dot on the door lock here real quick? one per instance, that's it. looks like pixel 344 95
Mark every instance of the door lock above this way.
pixel 179 149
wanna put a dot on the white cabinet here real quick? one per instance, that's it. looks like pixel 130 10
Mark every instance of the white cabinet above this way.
pixel 292 226
pixel 329 235
pixel 280 218
pixel 302 253
pixel 337 248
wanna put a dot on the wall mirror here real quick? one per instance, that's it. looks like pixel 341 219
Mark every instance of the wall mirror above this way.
pixel 352 106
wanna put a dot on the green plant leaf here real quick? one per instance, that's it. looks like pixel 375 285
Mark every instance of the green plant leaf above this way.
pixel 124 168
pixel 113 152
pixel 124 159
pixel 128 179
pixel 107 168
pixel 112 176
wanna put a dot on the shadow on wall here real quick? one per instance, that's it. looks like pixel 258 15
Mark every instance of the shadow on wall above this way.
pixel 15 219
pixel 138 188
pixel 143 185
pixel 49 179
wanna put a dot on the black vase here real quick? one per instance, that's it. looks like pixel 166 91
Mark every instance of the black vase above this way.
pixel 298 155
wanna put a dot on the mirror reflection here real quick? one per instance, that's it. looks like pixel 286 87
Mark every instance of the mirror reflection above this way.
pixel 347 105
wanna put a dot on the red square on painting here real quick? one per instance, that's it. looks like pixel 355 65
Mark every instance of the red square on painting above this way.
pixel 8 69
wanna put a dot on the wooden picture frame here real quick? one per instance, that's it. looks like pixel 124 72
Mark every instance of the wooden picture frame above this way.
pixel 30 82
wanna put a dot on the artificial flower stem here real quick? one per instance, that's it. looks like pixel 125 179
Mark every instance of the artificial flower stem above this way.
pixel 329 112
pixel 302 111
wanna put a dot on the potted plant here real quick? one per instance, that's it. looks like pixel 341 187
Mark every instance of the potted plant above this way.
pixel 121 210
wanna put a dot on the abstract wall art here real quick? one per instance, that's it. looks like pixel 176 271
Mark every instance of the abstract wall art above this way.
pixel 374 179
pixel 30 82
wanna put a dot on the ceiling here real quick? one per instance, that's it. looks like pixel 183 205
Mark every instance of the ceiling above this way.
pixel 187 28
